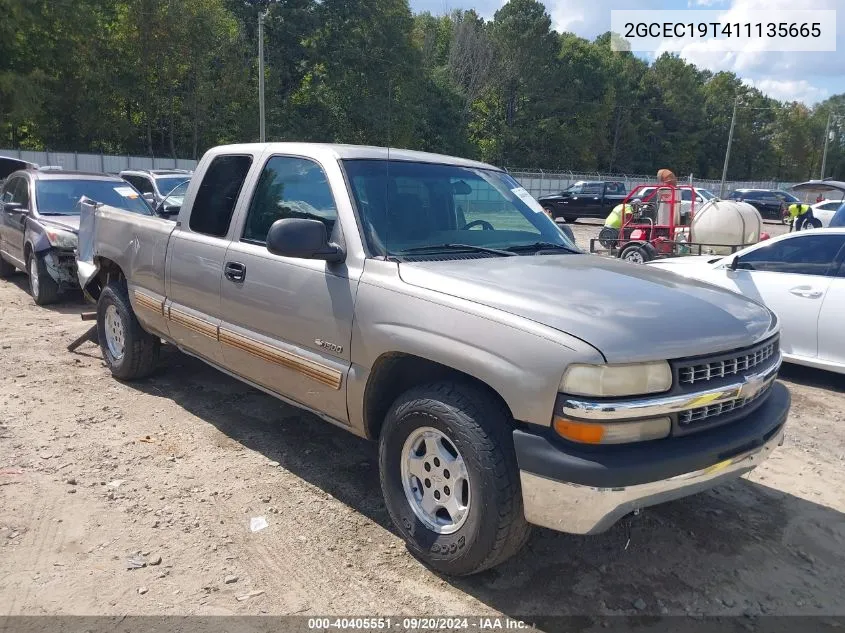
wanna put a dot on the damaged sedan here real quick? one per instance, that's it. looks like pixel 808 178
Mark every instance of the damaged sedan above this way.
pixel 39 223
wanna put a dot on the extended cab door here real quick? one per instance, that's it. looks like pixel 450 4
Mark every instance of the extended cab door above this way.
pixel 287 322
pixel 195 256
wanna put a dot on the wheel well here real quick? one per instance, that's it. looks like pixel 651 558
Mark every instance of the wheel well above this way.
pixel 395 373
pixel 108 271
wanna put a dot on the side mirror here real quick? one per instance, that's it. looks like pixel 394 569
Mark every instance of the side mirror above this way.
pixel 733 263
pixel 168 210
pixel 304 239
pixel 149 197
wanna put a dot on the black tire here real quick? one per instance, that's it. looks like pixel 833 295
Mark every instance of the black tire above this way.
pixel 479 428
pixel 551 213
pixel 636 254
pixel 42 286
pixel 6 269
pixel 608 236
pixel 140 349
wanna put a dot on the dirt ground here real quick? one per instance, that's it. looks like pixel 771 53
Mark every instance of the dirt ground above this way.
pixel 94 472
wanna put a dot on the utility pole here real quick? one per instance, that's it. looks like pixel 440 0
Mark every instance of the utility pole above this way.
pixel 728 151
pixel 826 139
pixel 261 135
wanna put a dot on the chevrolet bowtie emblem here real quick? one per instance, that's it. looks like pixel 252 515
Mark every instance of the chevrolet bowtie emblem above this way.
pixel 753 386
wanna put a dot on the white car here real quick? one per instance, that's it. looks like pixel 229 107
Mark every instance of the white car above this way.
pixel 800 276
pixel 825 209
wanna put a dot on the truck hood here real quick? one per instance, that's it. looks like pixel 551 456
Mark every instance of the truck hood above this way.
pixel 629 312
pixel 66 222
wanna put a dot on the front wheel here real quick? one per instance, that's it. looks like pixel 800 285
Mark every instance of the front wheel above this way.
pixel 129 351
pixel 42 286
pixel 450 479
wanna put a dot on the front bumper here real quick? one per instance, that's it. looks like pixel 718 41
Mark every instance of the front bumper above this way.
pixel 61 266
pixel 585 490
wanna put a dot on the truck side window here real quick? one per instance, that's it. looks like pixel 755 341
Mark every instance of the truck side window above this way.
pixel 289 188
pixel 218 193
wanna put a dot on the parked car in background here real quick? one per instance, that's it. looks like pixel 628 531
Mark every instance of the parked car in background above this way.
pixel 155 184
pixel 584 199
pixel 39 220
pixel 834 193
pixel 428 303
pixel 801 276
pixel 771 203
pixel 825 210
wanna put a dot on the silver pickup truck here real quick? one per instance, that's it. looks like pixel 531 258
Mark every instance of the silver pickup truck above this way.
pixel 429 303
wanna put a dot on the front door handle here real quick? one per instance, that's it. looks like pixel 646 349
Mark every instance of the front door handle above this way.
pixel 806 291
pixel 235 271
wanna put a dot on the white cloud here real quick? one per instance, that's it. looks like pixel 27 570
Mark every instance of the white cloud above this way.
pixel 790 90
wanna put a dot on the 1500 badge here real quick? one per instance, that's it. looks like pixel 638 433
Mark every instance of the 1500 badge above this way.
pixel 337 349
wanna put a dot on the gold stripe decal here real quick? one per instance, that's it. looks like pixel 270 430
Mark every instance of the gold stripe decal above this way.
pixel 315 371
pixel 193 323
pixel 143 300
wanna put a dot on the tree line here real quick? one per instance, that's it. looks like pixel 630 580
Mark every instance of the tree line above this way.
pixel 175 77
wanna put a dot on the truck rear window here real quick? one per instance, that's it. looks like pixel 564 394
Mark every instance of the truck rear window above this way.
pixel 218 193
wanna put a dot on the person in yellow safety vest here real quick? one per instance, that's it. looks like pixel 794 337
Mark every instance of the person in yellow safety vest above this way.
pixel 614 220
pixel 801 215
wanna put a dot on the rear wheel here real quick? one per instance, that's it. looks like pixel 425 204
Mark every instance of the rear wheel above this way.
pixel 129 351
pixel 450 479
pixel 636 254
pixel 42 286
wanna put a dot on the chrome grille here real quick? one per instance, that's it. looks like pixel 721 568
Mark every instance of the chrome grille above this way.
pixel 692 416
pixel 730 366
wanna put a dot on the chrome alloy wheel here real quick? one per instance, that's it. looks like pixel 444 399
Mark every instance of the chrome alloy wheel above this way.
pixel 115 336
pixel 435 480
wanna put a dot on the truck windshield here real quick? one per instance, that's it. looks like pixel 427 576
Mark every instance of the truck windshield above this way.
pixel 60 197
pixel 408 207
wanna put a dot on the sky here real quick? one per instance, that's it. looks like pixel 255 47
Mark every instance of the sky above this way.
pixel 808 77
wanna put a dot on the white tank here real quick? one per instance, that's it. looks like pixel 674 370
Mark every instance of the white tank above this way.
pixel 725 222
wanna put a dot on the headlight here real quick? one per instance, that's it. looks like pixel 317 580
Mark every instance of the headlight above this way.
pixel 61 238
pixel 617 380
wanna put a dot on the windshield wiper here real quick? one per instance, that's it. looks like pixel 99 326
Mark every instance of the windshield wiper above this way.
pixel 540 246
pixel 452 247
